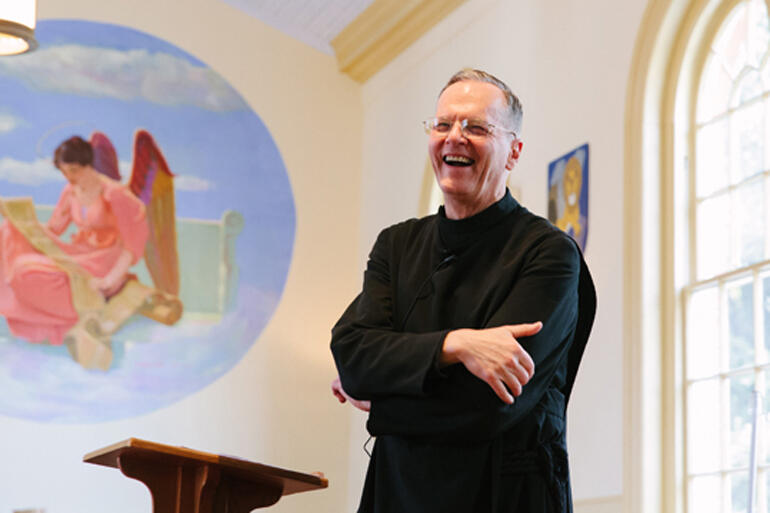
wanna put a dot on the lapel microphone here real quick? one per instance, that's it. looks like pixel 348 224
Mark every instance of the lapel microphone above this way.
pixel 448 257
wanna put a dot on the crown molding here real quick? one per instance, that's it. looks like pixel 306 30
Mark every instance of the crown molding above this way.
pixel 384 30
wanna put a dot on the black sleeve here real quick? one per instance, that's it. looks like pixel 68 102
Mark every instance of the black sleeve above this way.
pixel 547 292
pixel 374 360
pixel 465 406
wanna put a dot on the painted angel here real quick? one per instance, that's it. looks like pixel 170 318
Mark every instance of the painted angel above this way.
pixel 79 291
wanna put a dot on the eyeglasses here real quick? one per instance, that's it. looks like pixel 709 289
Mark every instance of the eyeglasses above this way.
pixel 471 128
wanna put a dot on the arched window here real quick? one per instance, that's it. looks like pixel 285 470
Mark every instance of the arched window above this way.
pixel 726 324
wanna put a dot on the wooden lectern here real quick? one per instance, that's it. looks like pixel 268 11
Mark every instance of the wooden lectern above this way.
pixel 183 480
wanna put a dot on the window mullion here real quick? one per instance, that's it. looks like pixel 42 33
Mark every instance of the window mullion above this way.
pixel 766 224
pixel 759 319
pixel 724 388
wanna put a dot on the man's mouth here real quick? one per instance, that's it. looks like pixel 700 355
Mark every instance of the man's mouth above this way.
pixel 457 160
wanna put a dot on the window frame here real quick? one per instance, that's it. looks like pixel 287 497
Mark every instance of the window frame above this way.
pixel 693 281
pixel 656 148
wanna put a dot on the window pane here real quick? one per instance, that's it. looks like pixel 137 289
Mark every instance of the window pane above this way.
pixel 703 422
pixel 748 223
pixel 713 237
pixel 748 88
pixel 758 35
pixel 712 152
pixel 705 495
pixel 703 333
pixel 740 320
pixel 741 412
pixel 739 492
pixel 730 43
pixel 766 75
pixel 747 150
pixel 714 91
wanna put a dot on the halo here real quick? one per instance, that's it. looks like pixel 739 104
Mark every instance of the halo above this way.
pixel 57 131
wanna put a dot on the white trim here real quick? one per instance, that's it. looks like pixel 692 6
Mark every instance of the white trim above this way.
pixel 642 482
pixel 652 469
pixel 607 499
pixel 606 504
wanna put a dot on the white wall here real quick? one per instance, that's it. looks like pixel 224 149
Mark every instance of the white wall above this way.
pixel 275 405
pixel 568 60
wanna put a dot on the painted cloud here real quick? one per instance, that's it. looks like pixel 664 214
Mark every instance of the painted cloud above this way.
pixel 34 173
pixel 7 123
pixel 123 74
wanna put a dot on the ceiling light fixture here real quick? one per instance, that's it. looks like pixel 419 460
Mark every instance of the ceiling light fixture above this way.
pixel 17 27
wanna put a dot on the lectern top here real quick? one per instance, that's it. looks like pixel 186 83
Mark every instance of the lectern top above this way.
pixel 293 482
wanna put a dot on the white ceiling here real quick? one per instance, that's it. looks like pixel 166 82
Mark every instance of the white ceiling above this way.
pixel 314 22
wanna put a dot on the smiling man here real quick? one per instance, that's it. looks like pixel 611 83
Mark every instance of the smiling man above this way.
pixel 465 340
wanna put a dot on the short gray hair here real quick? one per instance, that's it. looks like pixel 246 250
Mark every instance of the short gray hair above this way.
pixel 516 111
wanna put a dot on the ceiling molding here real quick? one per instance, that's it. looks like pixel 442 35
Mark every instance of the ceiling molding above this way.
pixel 384 30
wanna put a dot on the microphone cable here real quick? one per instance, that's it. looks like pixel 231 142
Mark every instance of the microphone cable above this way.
pixel 445 261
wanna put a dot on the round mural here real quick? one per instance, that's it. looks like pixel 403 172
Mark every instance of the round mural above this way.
pixel 212 209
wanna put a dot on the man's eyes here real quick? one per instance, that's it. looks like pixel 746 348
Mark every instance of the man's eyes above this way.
pixel 470 127
pixel 477 129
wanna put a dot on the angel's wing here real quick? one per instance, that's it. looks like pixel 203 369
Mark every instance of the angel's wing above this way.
pixel 105 156
pixel 152 182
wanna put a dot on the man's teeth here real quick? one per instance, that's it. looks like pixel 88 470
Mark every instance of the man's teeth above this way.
pixel 457 160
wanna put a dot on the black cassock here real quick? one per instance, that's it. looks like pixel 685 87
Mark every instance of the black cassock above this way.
pixel 445 443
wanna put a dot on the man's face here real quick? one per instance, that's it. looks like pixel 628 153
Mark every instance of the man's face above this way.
pixel 473 170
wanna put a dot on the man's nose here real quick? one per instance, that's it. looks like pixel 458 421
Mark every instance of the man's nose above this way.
pixel 456 131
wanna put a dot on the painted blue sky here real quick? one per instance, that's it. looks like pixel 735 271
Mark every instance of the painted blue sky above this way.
pixel 90 76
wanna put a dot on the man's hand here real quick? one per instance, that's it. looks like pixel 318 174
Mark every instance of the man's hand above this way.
pixel 494 356
pixel 343 396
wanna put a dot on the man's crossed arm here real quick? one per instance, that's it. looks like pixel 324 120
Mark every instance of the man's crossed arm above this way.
pixel 493 355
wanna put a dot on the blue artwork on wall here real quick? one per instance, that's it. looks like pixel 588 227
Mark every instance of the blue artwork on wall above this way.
pixel 210 203
pixel 568 194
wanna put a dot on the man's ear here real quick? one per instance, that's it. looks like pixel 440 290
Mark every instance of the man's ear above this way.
pixel 513 156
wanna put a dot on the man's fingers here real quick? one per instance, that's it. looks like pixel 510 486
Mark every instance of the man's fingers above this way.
pixel 362 405
pixel 495 356
pixel 528 364
pixel 343 396
pixel 524 359
pixel 521 376
pixel 526 330
pixel 514 384
pixel 337 390
pixel 501 391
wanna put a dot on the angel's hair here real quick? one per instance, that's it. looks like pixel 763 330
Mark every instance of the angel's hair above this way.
pixel 74 150
pixel 515 110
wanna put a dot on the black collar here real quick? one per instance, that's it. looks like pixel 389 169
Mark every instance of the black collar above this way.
pixel 456 234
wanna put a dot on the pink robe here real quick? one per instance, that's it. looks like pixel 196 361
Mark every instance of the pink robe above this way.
pixel 35 296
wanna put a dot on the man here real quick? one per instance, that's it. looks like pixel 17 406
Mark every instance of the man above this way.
pixel 465 340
